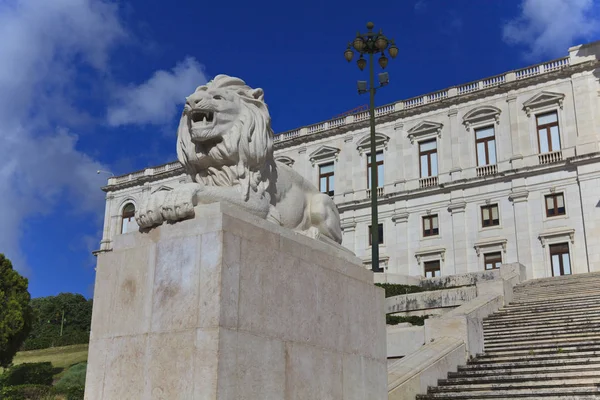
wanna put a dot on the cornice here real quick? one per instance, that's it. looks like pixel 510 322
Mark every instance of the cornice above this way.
pixel 503 88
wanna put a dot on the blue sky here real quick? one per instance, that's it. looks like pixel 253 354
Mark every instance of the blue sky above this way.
pixel 96 84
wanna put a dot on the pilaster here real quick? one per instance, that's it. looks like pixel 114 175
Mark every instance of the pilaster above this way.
pixel 521 213
pixel 459 265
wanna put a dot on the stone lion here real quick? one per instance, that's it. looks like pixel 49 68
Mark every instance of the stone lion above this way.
pixel 225 144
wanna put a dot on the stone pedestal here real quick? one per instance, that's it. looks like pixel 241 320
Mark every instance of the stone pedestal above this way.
pixel 227 306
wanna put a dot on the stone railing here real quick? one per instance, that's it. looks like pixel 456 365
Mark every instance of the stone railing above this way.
pixel 428 182
pixel 552 157
pixel 380 192
pixel 485 170
pixel 161 169
pixel 429 98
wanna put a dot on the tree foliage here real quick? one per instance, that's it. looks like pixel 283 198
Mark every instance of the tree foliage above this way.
pixel 15 311
pixel 48 317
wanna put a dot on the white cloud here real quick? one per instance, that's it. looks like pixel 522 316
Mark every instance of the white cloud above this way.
pixel 40 163
pixel 549 27
pixel 156 100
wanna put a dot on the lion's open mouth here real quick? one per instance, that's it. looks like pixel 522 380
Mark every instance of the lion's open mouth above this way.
pixel 205 116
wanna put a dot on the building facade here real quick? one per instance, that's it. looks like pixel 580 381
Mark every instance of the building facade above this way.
pixel 504 169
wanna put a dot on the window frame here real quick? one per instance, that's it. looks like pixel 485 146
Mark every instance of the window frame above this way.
pixel 380 225
pixel 560 253
pixel 377 163
pixel 329 176
pixel 425 268
pixel 555 204
pixel 485 142
pixel 490 207
pixel 498 261
pixel 428 153
pixel 126 215
pixel 431 232
pixel 547 128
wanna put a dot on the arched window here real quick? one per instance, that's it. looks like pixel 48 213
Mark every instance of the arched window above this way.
pixel 128 223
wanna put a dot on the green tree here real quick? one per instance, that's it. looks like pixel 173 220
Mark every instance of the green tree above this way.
pixel 59 321
pixel 15 311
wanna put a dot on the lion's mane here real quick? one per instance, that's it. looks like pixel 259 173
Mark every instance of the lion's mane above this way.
pixel 245 155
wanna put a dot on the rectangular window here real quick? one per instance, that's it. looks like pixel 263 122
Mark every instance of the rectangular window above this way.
pixel 430 225
pixel 548 134
pixel 379 161
pixel 490 215
pixel 559 257
pixel 428 158
pixel 492 260
pixel 380 233
pixel 432 269
pixel 485 141
pixel 555 205
pixel 326 184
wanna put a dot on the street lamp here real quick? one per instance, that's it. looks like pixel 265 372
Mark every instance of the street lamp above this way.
pixel 372 43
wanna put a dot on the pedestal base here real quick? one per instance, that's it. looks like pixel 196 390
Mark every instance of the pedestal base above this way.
pixel 228 306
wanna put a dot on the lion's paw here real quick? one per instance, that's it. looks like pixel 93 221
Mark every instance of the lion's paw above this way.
pixel 179 203
pixel 149 213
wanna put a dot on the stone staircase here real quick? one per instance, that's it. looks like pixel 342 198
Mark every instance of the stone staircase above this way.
pixel 544 345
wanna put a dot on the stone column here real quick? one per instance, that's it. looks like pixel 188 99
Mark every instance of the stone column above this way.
pixel 516 159
pixel 402 258
pixel 106 236
pixel 348 232
pixel 459 233
pixel 521 214
pixel 344 185
pixel 455 149
pixel 585 99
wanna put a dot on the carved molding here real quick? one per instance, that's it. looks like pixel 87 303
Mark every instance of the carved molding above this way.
pixel 162 188
pixel 425 129
pixel 458 207
pixel 364 144
pixel 324 153
pixel 285 160
pixel 543 99
pixel 400 217
pixel 518 196
pixel 348 224
pixel 557 233
pixel 487 243
pixel 439 251
pixel 481 114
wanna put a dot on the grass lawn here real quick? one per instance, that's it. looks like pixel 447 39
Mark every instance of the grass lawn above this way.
pixel 60 357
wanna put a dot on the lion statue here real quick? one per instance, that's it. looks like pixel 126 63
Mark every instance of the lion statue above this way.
pixel 225 144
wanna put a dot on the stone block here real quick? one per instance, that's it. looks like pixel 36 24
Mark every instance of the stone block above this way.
pixel 233 307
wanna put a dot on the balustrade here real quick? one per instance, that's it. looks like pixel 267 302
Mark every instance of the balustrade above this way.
pixel 485 170
pixel 552 157
pixel 428 182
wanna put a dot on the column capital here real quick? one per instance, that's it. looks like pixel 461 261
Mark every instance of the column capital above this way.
pixel 519 196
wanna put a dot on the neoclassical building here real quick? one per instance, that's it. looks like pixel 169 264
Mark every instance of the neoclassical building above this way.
pixel 499 170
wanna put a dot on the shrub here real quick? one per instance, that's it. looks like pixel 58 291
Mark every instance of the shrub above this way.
pixel 397 290
pixel 25 392
pixel 73 377
pixel 28 374
pixel 396 319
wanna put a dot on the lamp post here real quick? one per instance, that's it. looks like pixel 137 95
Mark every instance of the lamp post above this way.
pixel 371 43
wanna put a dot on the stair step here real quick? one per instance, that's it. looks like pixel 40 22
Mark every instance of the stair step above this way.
pixel 556 355
pixel 544 345
pixel 541 337
pixel 532 363
pixel 528 346
pixel 491 328
pixel 547 384
pixel 521 377
pixel 479 372
pixel 575 298
pixel 520 393
pixel 548 350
